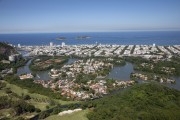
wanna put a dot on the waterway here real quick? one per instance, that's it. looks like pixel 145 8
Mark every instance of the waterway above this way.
pixel 124 72
pixel 40 75
pixel 117 73
pixel 175 85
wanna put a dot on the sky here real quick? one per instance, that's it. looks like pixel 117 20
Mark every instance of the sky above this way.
pixel 43 16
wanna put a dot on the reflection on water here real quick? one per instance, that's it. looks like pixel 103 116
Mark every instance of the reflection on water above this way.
pixel 176 85
pixel 43 75
pixel 121 72
pixel 24 69
pixel 72 60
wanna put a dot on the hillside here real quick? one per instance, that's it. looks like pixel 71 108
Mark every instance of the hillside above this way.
pixel 6 50
pixel 141 102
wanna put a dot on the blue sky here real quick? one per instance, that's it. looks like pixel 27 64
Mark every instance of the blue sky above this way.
pixel 31 16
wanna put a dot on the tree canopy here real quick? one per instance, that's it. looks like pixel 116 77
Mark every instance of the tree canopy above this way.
pixel 143 102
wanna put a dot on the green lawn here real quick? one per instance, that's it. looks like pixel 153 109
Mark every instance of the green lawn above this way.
pixel 16 89
pixel 40 105
pixel 81 115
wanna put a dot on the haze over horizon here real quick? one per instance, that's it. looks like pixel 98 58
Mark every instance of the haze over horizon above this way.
pixel 41 16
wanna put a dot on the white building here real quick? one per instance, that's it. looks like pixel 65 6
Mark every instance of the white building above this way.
pixel 12 58
pixel 51 44
pixel 63 44
pixel 19 45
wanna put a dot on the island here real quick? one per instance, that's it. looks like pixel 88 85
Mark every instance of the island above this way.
pixel 82 37
pixel 60 38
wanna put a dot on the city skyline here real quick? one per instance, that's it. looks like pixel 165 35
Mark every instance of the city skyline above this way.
pixel 18 16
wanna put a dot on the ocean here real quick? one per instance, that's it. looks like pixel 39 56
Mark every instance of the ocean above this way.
pixel 121 38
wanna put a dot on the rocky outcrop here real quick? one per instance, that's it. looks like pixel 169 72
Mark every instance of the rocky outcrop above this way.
pixel 6 50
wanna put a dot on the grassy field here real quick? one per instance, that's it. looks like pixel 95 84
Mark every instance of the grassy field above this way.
pixel 81 115
pixel 41 105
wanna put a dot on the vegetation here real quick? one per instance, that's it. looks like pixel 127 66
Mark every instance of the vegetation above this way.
pixel 32 87
pixel 57 110
pixel 137 60
pixel 6 50
pixel 11 104
pixel 2 85
pixel 40 101
pixel 143 102
pixel 81 115
pixel 109 84
pixel 42 63
pixel 173 65
pixel 14 65
pixel 40 96
pixel 104 72
pixel 84 78
pixel 113 60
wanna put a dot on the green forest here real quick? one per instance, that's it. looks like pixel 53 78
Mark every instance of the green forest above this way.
pixel 149 101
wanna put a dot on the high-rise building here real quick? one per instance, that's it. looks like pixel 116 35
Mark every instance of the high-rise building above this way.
pixel 63 44
pixel 51 44
pixel 19 45
pixel 154 44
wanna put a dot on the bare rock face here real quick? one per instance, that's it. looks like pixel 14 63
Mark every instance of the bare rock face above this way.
pixel 6 50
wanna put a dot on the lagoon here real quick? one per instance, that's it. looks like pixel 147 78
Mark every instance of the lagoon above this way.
pixel 117 73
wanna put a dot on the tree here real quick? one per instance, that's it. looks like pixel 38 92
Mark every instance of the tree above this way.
pixel 2 85
pixel 26 97
pixel 8 90
pixel 43 115
pixel 47 107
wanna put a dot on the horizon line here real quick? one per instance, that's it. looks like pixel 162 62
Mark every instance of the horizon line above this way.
pixel 174 30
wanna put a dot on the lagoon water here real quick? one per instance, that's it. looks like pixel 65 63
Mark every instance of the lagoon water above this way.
pixel 125 38
pixel 41 75
pixel 117 73
pixel 24 69
pixel 121 72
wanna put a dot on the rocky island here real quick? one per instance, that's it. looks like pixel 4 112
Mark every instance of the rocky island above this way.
pixel 82 37
pixel 60 38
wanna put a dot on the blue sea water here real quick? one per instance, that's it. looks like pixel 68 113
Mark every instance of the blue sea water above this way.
pixel 125 38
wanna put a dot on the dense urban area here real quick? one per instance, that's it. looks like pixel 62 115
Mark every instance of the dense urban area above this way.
pixel 84 87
